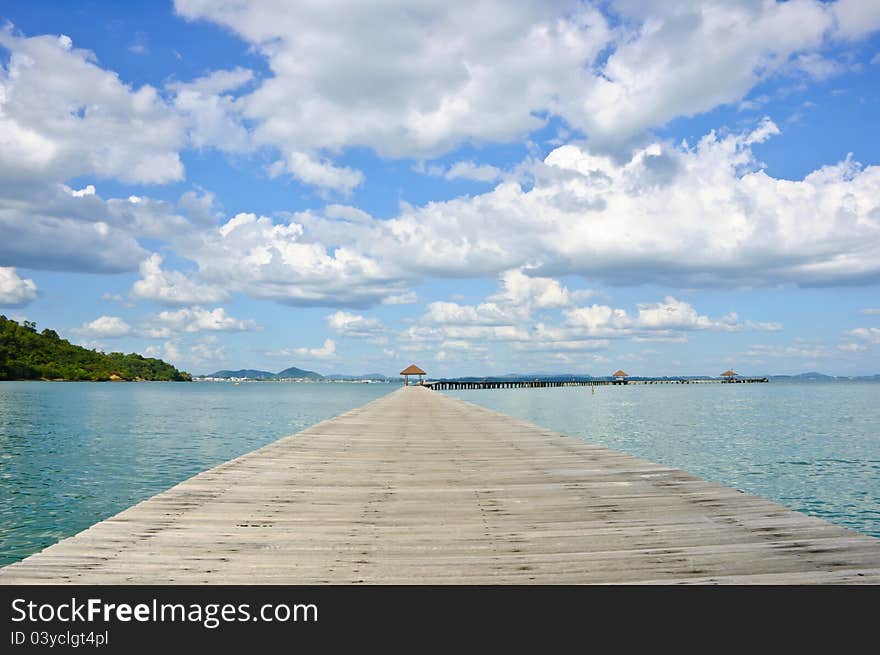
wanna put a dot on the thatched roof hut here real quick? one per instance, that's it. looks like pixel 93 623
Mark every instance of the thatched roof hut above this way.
pixel 729 374
pixel 620 374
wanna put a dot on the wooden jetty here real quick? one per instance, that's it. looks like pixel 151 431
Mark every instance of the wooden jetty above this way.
pixel 488 383
pixel 419 487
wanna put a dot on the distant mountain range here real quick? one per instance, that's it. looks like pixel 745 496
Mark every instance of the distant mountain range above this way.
pixel 287 374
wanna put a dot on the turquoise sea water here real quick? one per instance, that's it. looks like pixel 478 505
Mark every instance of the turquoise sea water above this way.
pixel 74 453
pixel 813 447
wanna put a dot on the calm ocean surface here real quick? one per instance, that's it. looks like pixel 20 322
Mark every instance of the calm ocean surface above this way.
pixel 813 447
pixel 72 454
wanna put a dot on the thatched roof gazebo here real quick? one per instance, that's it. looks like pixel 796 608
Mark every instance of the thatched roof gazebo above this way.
pixel 412 369
pixel 729 375
pixel 620 377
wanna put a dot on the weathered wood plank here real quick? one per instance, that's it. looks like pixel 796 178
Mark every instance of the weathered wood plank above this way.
pixel 418 487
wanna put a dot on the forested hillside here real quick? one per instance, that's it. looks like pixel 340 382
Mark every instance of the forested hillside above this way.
pixel 26 354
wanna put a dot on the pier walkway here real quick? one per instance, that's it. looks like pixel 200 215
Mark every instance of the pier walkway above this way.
pixel 454 385
pixel 419 487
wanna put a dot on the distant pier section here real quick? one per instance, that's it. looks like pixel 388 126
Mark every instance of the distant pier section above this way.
pixel 619 378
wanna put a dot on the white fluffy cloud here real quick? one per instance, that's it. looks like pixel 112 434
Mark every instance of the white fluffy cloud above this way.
pixel 684 216
pixel 198 319
pixel 318 172
pixel 856 18
pixel 208 107
pixel 326 351
pixel 509 316
pixel 14 290
pixel 519 296
pixel 281 261
pixel 58 228
pixel 169 351
pixel 417 82
pixel 62 115
pixel 669 315
pixel 354 325
pixel 520 289
pixel 207 350
pixel 451 313
pixel 654 76
pixel 407 81
pixel 868 335
pixel 405 298
pixel 172 287
pixel 562 345
pixel 104 327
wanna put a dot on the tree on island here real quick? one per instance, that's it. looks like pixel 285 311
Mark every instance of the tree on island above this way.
pixel 26 354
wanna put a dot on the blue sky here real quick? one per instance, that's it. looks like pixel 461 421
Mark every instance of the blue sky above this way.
pixel 664 187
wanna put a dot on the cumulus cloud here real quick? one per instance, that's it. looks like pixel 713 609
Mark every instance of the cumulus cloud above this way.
pixel 407 82
pixel 14 290
pixel 575 345
pixel 683 216
pixel 208 107
pixel 856 18
pixel 418 83
pixel 520 289
pixel 172 287
pixel 57 228
pixel 207 350
pixel 669 315
pixel 326 351
pixel 405 298
pixel 444 313
pixel 104 327
pixel 519 296
pixel 197 319
pixel 509 316
pixel 283 261
pixel 169 351
pixel 354 325
pixel 868 335
pixel 62 115
pixel 318 172
pixel 200 207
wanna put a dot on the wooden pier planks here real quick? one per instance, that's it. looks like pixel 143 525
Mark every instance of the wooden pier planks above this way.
pixel 419 487
pixel 454 385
